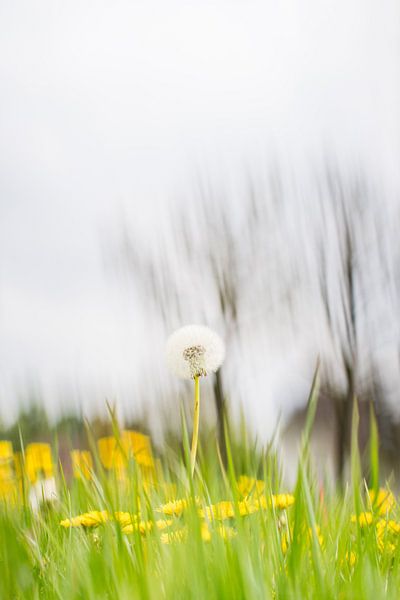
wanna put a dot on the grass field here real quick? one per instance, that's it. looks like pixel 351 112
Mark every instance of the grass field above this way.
pixel 229 531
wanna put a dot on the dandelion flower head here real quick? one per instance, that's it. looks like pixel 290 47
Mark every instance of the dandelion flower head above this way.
pixel 194 351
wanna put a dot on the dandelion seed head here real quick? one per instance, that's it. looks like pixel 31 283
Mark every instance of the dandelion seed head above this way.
pixel 194 351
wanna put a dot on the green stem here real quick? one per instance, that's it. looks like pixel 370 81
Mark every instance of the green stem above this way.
pixel 196 420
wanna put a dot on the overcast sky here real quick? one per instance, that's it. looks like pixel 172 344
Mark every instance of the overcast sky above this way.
pixel 109 110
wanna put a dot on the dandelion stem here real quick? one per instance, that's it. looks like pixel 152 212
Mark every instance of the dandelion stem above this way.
pixel 196 418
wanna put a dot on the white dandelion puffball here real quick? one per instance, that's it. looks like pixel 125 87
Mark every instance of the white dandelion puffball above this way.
pixel 194 351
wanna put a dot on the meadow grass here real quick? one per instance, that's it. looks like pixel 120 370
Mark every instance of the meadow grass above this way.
pixel 171 537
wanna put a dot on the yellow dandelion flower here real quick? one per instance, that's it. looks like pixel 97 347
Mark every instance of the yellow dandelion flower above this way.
pixel 205 532
pixel 383 502
pixel 175 507
pixel 278 501
pixel 38 462
pixel 111 454
pixel 387 547
pixel 282 501
pixel 248 485
pixel 127 529
pixel 364 519
pixel 383 525
pixel 8 484
pixel 351 558
pixel 284 544
pixel 387 533
pixel 6 451
pixel 138 446
pixel 124 518
pixel 89 519
pixel 141 526
pixel 145 526
pixel 222 510
pixel 261 503
pixel 226 510
pixel 247 508
pixel 128 522
pixel 115 453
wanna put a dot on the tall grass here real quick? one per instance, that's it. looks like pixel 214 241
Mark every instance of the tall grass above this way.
pixel 319 547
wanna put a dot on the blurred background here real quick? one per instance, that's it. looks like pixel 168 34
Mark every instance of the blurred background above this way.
pixel 228 163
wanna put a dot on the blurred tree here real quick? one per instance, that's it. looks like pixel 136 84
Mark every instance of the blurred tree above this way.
pixel 339 298
pixel 353 281
pixel 257 255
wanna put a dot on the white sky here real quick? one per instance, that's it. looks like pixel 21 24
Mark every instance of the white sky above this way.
pixel 112 108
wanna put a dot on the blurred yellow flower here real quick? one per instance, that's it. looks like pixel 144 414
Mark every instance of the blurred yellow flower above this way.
pixel 138 446
pixel 110 452
pixel 248 485
pixel 127 520
pixel 146 526
pixel 226 510
pixel 387 534
pixel 351 558
pixel 175 507
pixel 8 485
pixel 163 523
pixel 6 450
pixel 384 526
pixel 282 501
pixel 115 453
pixel 124 518
pixel 278 501
pixel 38 462
pixel 221 510
pixel 129 523
pixel 89 519
pixel 383 502
pixel 364 519
pixel 82 464
pixel 205 532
